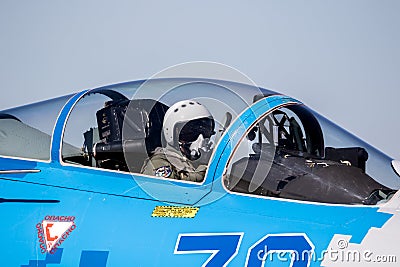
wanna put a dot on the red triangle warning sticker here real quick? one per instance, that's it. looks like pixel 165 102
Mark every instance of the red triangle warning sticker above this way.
pixel 53 231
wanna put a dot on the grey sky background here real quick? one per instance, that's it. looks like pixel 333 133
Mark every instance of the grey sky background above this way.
pixel 340 57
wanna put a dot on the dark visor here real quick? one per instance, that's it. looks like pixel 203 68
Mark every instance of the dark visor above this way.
pixel 191 130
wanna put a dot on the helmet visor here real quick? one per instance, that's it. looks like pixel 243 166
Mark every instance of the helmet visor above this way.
pixel 192 129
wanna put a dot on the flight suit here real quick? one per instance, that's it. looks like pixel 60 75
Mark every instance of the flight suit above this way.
pixel 169 163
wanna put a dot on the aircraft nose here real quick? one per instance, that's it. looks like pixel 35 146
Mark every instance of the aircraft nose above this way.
pixel 396 166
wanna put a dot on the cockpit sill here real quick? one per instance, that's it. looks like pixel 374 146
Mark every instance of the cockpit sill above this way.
pixel 391 205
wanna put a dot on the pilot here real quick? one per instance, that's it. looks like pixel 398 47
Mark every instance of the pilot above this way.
pixel 187 128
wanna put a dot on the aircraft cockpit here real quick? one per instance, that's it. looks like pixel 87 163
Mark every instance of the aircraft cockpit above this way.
pixel 120 128
pixel 287 152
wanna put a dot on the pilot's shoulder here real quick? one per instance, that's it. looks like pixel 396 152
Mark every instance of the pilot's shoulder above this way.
pixel 158 159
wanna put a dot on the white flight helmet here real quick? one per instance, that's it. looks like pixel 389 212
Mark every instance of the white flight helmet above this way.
pixel 188 123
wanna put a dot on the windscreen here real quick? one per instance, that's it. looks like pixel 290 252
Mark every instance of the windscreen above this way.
pixel 26 131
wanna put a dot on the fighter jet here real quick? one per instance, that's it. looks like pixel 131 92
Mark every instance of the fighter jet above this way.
pixel 277 183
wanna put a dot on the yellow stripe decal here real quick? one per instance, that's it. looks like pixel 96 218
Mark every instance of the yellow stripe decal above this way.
pixel 174 212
